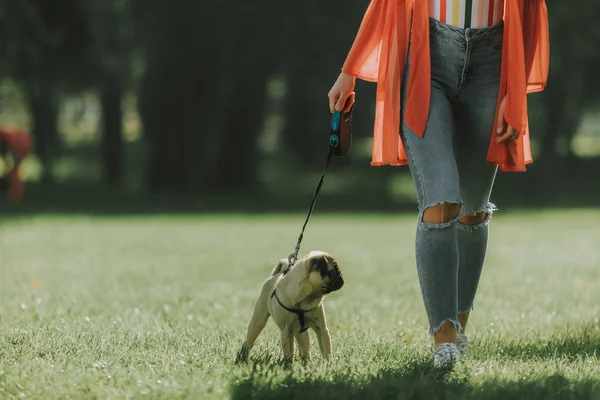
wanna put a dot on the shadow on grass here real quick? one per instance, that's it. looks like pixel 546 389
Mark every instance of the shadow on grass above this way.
pixel 417 381
pixel 269 379
pixel 385 384
pixel 567 346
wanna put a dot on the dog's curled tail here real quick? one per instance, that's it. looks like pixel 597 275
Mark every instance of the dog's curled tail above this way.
pixel 283 263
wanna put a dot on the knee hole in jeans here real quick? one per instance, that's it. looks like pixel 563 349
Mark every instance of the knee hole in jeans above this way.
pixel 473 219
pixel 441 213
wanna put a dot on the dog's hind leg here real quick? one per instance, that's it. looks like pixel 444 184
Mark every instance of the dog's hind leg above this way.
pixel 255 327
pixel 303 340
pixel 257 323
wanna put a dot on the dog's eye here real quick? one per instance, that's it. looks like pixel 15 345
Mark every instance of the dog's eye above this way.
pixel 320 265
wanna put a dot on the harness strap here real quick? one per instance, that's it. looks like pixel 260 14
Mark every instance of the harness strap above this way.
pixel 298 311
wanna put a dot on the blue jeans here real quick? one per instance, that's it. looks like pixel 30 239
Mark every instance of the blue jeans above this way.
pixel 448 165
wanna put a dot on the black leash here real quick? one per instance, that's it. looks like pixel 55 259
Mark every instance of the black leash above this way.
pixel 292 258
pixel 336 148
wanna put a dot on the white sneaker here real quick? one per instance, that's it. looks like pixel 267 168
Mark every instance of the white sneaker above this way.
pixel 445 355
pixel 463 344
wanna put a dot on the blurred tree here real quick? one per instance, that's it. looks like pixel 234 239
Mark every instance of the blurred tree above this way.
pixel 317 41
pixel 58 47
pixel 113 54
pixel 44 44
pixel 250 52
pixel 573 83
pixel 177 89
pixel 203 92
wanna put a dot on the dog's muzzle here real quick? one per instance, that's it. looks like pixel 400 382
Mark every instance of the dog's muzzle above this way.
pixel 336 281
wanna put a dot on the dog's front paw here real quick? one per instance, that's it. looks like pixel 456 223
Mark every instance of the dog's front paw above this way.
pixel 286 362
pixel 243 354
pixel 306 358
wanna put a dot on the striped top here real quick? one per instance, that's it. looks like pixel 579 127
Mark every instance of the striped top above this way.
pixel 467 13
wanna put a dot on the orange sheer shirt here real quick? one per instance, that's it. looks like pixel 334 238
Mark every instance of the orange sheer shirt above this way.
pixel 379 52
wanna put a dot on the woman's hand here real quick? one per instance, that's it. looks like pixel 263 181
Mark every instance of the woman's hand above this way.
pixel 342 90
pixel 511 133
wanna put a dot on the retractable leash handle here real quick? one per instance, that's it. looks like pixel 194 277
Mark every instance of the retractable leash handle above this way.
pixel 340 132
pixel 334 130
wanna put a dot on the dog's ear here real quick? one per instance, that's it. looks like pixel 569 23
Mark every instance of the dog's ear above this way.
pixel 283 263
pixel 319 264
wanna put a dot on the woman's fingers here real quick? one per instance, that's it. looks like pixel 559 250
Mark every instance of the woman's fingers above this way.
pixel 349 102
pixel 333 98
pixel 341 100
pixel 340 92
pixel 501 109
pixel 511 134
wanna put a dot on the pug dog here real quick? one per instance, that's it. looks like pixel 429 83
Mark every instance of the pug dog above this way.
pixel 294 299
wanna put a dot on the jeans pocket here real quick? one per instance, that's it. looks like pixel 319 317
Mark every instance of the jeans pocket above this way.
pixel 494 45
pixel 434 28
pixel 494 41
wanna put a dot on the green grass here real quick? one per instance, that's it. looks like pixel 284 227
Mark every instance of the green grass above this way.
pixel 156 307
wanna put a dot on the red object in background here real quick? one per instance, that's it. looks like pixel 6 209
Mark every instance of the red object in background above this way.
pixel 18 144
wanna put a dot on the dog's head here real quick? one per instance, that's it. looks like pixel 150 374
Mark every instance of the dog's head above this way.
pixel 321 271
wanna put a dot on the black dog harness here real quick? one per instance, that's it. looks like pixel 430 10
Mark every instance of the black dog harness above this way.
pixel 298 311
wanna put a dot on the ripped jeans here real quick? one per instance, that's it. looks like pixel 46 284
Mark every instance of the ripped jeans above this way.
pixel 448 165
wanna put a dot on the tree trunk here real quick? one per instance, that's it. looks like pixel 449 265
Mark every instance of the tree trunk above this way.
pixel 306 120
pixel 564 103
pixel 554 103
pixel 112 137
pixel 236 170
pixel 44 110
pixel 166 127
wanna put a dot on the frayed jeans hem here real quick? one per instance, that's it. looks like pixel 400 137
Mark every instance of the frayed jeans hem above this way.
pixel 434 330
pixel 467 311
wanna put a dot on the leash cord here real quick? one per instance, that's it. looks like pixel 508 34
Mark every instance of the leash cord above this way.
pixel 292 258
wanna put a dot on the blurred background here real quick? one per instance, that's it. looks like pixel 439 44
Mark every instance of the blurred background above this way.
pixel 197 106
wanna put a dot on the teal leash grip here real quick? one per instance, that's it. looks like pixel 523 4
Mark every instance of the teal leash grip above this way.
pixel 334 131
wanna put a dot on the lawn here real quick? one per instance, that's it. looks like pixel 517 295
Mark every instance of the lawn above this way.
pixel 155 307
